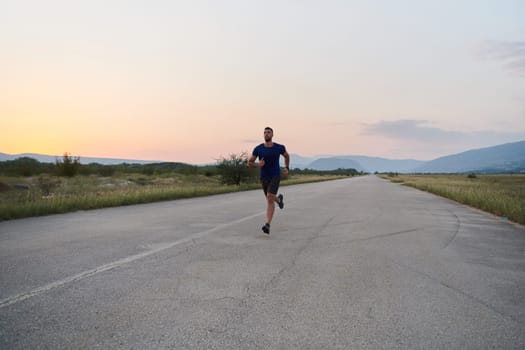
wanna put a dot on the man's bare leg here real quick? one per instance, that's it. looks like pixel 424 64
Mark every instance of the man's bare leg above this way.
pixel 270 209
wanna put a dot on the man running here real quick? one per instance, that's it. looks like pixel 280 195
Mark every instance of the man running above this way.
pixel 269 153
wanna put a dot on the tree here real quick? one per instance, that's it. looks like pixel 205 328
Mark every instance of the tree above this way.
pixel 234 170
pixel 27 166
pixel 68 166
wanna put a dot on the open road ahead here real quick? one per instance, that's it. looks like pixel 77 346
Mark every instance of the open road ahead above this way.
pixel 359 263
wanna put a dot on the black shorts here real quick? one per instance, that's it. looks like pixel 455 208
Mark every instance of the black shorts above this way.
pixel 270 185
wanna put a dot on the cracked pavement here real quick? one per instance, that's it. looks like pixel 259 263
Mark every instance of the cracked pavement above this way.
pixel 359 263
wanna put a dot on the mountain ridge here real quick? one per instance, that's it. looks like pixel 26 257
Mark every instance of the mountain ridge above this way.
pixel 46 158
pixel 508 157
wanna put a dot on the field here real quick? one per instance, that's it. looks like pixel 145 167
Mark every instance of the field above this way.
pixel 43 195
pixel 502 195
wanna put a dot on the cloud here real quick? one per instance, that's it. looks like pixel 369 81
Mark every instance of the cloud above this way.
pixel 423 132
pixel 407 129
pixel 510 53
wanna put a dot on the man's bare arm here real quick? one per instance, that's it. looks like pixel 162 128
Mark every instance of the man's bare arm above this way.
pixel 286 160
pixel 253 164
pixel 286 163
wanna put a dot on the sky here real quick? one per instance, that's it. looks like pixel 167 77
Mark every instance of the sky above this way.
pixel 194 81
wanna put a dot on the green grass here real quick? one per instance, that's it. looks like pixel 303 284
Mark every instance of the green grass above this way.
pixel 502 195
pixel 52 195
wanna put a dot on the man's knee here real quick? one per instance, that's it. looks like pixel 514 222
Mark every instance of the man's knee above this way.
pixel 270 197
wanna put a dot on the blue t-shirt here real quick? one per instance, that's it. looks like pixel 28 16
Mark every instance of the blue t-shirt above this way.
pixel 271 159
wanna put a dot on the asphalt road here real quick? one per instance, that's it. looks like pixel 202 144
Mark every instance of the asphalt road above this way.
pixel 358 263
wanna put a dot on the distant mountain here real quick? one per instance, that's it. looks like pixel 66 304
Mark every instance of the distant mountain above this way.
pixel 361 163
pixel 502 158
pixel 297 161
pixel 333 163
pixel 508 157
pixel 44 158
pixel 373 164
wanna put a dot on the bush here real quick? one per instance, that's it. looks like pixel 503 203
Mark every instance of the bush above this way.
pixel 28 166
pixel 24 166
pixel 107 171
pixel 234 170
pixel 97 169
pixel 68 166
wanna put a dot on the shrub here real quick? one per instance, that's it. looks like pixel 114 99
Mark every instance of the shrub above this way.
pixel 68 166
pixel 234 170
pixel 25 166
pixel 106 170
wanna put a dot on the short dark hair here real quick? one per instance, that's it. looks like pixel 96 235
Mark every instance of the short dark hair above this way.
pixel 268 128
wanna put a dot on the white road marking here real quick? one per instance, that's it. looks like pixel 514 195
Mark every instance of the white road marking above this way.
pixel 23 296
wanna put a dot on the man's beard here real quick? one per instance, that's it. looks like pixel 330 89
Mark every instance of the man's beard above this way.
pixel 267 138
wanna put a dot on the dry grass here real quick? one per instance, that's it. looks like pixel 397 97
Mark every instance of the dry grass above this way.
pixel 502 195
pixel 52 195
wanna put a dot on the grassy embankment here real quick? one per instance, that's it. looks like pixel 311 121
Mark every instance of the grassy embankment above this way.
pixel 502 195
pixel 52 195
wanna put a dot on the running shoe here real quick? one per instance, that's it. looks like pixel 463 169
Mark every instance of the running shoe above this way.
pixel 266 229
pixel 280 202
